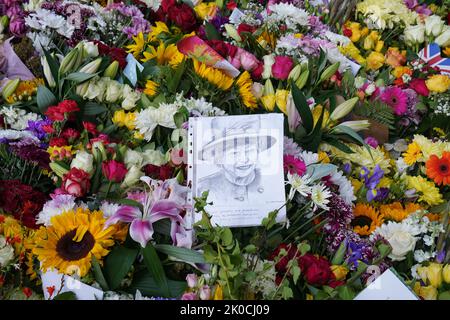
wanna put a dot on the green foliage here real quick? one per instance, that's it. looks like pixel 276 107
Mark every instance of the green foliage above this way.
pixel 377 111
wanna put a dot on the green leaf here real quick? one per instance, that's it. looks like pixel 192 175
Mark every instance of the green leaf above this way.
pixel 346 293
pixel 183 254
pixel 147 285
pixel 226 237
pixel 322 61
pixel 155 268
pixel 99 277
pixel 45 98
pixel 211 32
pixel 444 295
pixel 337 144
pixel 295 273
pixel 180 117
pixel 174 80
pixel 69 295
pixel 302 106
pixel 118 264
pixel 348 131
pixel 80 77
pixel 92 109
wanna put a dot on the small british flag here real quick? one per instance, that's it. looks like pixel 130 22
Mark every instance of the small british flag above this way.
pixel 431 54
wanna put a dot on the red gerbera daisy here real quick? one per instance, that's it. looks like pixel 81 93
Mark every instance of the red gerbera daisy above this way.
pixel 438 169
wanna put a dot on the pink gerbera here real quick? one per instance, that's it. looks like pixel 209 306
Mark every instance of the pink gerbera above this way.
pixel 293 165
pixel 396 99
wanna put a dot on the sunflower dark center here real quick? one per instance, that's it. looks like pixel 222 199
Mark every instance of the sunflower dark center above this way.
pixel 70 250
pixel 361 221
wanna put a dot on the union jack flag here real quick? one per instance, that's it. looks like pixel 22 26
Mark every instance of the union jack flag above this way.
pixel 431 54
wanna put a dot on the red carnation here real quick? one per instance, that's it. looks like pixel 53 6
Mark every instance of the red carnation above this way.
pixel 183 16
pixel 76 182
pixel 114 171
pixel 62 111
pixel 90 127
pixel 70 134
pixel 58 142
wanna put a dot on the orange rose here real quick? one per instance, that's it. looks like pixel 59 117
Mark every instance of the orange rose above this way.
pixel 395 58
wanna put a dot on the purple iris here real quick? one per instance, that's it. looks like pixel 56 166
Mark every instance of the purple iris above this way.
pixel 36 128
pixel 371 181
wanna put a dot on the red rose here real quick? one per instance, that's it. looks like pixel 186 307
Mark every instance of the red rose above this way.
pixel 152 171
pixel 183 16
pixel 76 182
pixel 316 270
pixel 282 67
pixel 243 27
pixel 231 5
pixel 335 283
pixel 58 142
pixel 167 5
pixel 114 171
pixel 419 86
pixel 165 172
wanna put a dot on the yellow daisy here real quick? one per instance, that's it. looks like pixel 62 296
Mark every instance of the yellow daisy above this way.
pixel 412 154
pixel 244 83
pixel 163 54
pixel 73 238
pixel 214 76
pixel 426 189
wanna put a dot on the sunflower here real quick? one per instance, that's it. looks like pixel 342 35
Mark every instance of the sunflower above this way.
pixel 157 29
pixel 138 46
pixel 150 88
pixel 438 169
pixel 163 55
pixel 244 83
pixel 214 76
pixel 412 154
pixel 73 238
pixel 366 219
pixel 395 211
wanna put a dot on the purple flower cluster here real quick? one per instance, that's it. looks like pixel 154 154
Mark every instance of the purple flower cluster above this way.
pixel 420 9
pixel 13 10
pixel 412 116
pixel 138 22
pixel 37 128
pixel 317 26
pixel 219 22
pixel 28 151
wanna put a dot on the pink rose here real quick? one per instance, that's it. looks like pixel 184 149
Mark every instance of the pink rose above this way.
pixel 248 60
pixel 114 170
pixel 282 67
pixel 76 182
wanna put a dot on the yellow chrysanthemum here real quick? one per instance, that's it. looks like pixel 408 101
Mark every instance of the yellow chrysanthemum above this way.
pixel 363 158
pixel 138 46
pixel 25 90
pixel 366 219
pixel 429 147
pixel 244 83
pixel 73 238
pixel 412 154
pixel 395 211
pixel 427 190
pixel 163 55
pixel 150 88
pixel 214 76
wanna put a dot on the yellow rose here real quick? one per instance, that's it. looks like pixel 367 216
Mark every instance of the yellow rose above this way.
pixel 446 273
pixel 379 46
pixel 119 118
pixel 434 274
pixel 375 60
pixel 438 83
pixel 340 272
pixel 428 293
pixel 129 121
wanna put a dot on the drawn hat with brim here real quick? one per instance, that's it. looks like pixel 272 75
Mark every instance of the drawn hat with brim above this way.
pixel 228 136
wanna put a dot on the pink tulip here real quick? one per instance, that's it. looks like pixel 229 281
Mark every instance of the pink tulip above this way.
pixel 282 67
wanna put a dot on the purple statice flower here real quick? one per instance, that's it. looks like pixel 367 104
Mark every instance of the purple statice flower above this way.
pixel 36 128
pixel 219 22
pixel 32 153
pixel 317 26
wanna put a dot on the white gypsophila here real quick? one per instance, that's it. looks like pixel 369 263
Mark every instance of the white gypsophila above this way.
pixel 55 207
pixel 264 282
pixel 288 14
pixel 148 119
pixel 428 240
pixel 309 157
pixel 201 107
pixel 298 184
pixel 320 196
pixel 109 208
pixel 18 118
pixel 443 106
pixel 345 186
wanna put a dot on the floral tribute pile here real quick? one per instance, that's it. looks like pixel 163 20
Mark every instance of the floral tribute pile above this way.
pixel 95 99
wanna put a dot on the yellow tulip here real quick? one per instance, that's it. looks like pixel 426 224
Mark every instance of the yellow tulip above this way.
pixel 206 10
pixel 375 61
pixel 379 46
pixel 218 293
pixel 268 102
pixel 438 83
pixel 446 273
pixel 434 274
pixel 281 99
pixel 340 272
pixel 428 293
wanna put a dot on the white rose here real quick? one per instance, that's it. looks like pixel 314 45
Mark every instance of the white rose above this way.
pixel 269 60
pixel 133 158
pixel 132 177
pixel 444 39
pixel 401 242
pixel 433 25
pixel 94 91
pixel 130 97
pixel 415 34
pixel 257 90
pixel 91 49
pixel 6 252
pixel 113 91
pixel 84 161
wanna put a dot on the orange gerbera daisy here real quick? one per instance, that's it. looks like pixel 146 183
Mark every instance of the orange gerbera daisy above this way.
pixel 438 169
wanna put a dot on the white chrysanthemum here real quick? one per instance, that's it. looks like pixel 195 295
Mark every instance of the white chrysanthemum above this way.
pixel 345 186
pixel 54 207
pixel 201 107
pixel 309 157
pixel 109 208
pixel 17 135
pixel 320 196
pixel 298 184
pixel 289 14
pixel 148 119
pixel 18 118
